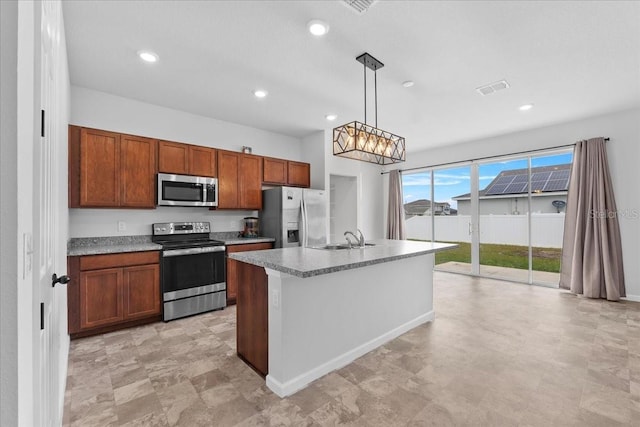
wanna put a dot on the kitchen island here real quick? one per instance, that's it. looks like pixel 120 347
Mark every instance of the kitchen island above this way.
pixel 304 312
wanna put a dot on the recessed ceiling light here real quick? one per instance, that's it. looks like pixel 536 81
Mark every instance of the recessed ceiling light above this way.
pixel 408 83
pixel 525 107
pixel 148 56
pixel 260 93
pixel 318 28
pixel 331 117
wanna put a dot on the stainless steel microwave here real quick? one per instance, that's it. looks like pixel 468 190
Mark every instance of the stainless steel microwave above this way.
pixel 185 190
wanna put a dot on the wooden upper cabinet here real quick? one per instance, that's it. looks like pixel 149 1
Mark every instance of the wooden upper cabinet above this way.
pixel 99 169
pixel 274 171
pixel 228 188
pixel 173 157
pixel 239 180
pixel 250 181
pixel 138 169
pixel 298 174
pixel 186 159
pixel 110 170
pixel 202 161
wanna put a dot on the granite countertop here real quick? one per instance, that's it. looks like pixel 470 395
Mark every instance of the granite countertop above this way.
pixel 80 246
pixel 110 245
pixel 308 262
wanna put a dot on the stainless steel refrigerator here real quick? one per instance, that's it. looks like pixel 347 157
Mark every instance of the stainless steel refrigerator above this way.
pixel 294 216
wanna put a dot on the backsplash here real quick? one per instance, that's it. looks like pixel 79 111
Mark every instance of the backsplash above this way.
pixel 131 222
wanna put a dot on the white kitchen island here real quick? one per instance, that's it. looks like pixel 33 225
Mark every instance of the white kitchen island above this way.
pixel 326 308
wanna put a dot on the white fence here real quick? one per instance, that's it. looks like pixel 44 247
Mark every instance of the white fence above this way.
pixel 546 229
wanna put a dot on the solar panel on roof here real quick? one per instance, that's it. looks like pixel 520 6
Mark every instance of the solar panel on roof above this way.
pixel 540 176
pixel 515 188
pixel 504 180
pixel 520 178
pixel 497 189
pixel 555 185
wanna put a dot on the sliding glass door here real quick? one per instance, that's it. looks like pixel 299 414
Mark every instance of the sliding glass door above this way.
pixel 503 208
pixel 505 214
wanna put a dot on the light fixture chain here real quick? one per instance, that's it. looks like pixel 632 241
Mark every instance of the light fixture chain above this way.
pixel 364 67
pixel 375 86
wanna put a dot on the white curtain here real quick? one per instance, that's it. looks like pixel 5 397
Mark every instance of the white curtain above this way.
pixel 592 249
pixel 395 212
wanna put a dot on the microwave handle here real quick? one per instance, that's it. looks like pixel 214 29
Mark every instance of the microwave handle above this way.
pixel 204 192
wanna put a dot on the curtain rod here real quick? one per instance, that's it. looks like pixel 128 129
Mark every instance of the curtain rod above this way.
pixel 485 158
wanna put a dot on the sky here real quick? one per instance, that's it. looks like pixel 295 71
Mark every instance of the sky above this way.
pixel 452 182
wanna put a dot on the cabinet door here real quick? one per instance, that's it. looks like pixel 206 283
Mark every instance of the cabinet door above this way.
pixel 299 174
pixel 274 171
pixel 250 181
pixel 228 189
pixel 138 169
pixel 202 161
pixel 141 291
pixel 232 267
pixel 99 168
pixel 232 281
pixel 101 297
pixel 173 157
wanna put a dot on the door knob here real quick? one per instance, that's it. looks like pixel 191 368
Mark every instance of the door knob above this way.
pixel 62 279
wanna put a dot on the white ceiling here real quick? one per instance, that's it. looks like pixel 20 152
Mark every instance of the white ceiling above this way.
pixel 571 59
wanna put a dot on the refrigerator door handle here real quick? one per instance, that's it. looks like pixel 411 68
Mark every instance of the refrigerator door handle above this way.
pixel 305 223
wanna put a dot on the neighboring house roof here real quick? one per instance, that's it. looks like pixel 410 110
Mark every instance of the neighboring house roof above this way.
pixel 422 206
pixel 544 179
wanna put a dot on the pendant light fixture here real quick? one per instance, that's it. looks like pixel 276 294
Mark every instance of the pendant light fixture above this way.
pixel 361 141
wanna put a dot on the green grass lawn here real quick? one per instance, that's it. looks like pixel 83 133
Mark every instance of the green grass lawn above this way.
pixel 544 259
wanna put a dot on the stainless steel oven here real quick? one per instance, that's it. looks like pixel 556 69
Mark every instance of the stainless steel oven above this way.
pixel 193 275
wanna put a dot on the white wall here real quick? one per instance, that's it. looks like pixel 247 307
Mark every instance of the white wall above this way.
pixel 623 150
pixel 8 213
pixel 313 152
pixel 104 111
pixel 370 192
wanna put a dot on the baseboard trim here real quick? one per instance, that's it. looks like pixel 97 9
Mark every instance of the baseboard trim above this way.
pixel 635 298
pixel 301 381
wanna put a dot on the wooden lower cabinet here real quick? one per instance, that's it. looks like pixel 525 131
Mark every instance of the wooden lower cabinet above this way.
pixel 252 315
pixel 109 292
pixel 233 280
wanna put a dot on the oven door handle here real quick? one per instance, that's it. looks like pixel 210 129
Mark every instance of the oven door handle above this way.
pixel 192 251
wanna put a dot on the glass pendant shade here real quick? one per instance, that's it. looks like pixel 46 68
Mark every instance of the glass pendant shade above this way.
pixel 360 141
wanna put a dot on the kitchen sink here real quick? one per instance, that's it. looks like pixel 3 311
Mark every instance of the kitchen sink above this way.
pixel 340 246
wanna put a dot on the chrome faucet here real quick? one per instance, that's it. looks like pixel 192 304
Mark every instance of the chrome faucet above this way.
pixel 360 239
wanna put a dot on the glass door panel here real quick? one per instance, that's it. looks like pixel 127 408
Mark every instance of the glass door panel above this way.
pixel 503 208
pixel 452 217
pixel 549 184
pixel 416 190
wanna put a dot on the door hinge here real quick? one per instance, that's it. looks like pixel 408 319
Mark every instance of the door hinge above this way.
pixel 41 316
pixel 42 123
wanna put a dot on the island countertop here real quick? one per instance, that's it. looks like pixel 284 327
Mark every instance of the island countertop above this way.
pixel 308 262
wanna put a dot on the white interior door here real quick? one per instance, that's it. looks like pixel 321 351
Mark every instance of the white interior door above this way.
pixel 45 176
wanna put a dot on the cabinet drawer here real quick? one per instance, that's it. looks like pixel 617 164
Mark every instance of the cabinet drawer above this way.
pixel 96 262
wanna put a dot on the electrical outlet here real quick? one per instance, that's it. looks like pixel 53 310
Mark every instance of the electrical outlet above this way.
pixel 27 246
pixel 275 298
pixel 122 226
pixel 233 224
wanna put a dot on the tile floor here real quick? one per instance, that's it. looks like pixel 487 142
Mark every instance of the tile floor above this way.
pixel 497 354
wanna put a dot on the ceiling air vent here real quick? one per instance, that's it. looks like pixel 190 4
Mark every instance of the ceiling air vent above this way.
pixel 492 87
pixel 360 6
